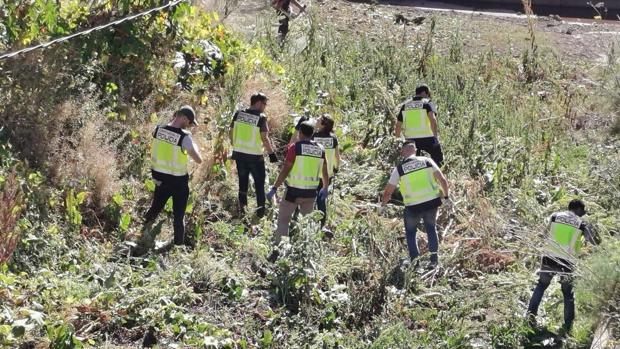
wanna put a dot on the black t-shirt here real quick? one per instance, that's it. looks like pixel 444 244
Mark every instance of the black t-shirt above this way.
pixel 262 125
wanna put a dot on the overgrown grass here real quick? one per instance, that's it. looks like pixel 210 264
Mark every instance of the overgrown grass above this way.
pixel 514 154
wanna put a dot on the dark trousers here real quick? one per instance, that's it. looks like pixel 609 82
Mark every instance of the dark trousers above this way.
pixel 549 268
pixel 432 146
pixel 283 28
pixel 257 170
pixel 180 194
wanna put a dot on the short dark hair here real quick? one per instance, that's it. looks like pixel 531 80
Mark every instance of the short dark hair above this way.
pixel 306 129
pixel 422 88
pixel 576 204
pixel 328 122
pixel 258 97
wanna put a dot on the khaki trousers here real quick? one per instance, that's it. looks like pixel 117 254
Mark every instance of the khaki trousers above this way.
pixel 287 209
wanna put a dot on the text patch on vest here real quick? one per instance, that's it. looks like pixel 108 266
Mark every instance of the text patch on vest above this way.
pixel 569 220
pixel 414 105
pixel 413 165
pixel 168 136
pixel 311 150
pixel 247 118
pixel 326 142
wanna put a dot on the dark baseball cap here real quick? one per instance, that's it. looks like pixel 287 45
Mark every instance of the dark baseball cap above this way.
pixel 189 112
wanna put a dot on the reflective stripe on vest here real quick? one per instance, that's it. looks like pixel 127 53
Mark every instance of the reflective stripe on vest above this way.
pixel 167 156
pixel 330 152
pixel 417 184
pixel 416 123
pixel 565 237
pixel 306 171
pixel 246 134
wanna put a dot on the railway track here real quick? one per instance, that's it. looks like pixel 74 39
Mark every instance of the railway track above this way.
pixel 576 10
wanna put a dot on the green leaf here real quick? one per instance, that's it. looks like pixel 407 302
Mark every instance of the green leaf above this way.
pixel 118 199
pixel 124 222
pixel 81 197
pixel 149 184
pixel 267 339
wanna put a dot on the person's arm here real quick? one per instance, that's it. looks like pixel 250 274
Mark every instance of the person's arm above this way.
pixel 337 158
pixel 191 148
pixel 387 193
pixel 397 128
pixel 195 155
pixel 433 120
pixel 232 129
pixel 325 175
pixel 294 137
pixel 266 142
pixel 589 234
pixel 443 182
pixel 390 187
pixel 286 169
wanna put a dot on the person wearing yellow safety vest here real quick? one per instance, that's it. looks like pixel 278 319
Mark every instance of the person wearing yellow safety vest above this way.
pixel 417 121
pixel 305 166
pixel 249 134
pixel 171 145
pixel 325 137
pixel 566 234
pixel 423 186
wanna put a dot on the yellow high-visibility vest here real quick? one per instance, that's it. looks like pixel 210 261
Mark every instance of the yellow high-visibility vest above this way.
pixel 167 154
pixel 246 134
pixel 565 236
pixel 417 183
pixel 306 171
pixel 416 123
pixel 329 145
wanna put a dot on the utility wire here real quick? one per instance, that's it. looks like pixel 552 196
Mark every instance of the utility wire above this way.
pixel 88 31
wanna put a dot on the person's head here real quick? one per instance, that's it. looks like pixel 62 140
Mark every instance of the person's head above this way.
pixel 185 117
pixel 325 123
pixel 306 130
pixel 407 149
pixel 423 91
pixel 258 101
pixel 577 207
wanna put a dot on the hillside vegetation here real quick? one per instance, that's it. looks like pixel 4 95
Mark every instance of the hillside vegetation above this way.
pixel 522 133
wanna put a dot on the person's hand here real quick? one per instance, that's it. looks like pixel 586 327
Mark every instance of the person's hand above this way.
pixel 447 202
pixel 323 194
pixel 271 193
pixel 273 158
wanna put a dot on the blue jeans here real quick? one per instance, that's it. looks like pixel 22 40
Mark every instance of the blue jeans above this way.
pixel 429 219
pixel 548 270
pixel 321 204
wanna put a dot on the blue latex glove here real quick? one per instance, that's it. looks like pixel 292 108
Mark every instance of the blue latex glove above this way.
pixel 323 194
pixel 271 193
